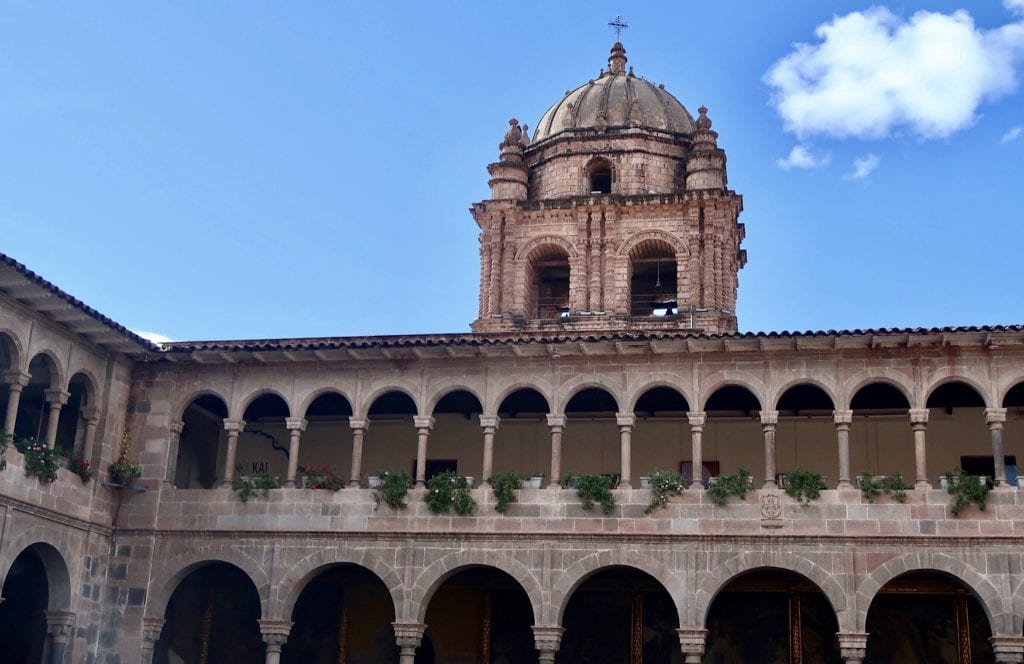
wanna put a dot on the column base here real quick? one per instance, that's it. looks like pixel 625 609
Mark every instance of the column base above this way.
pixel 923 484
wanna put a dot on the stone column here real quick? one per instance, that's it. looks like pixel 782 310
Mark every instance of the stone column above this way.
pixel 16 382
pixel 424 423
pixel 919 423
pixel 174 430
pixel 625 422
pixel 691 641
pixel 359 427
pixel 408 637
pixel 151 628
pixel 697 421
pixel 295 426
pixel 59 625
pixel 769 419
pixel 490 426
pixel 1008 649
pixel 852 646
pixel 548 639
pixel 994 418
pixel 234 428
pixel 275 635
pixel 843 420
pixel 55 399
pixel 557 424
pixel 92 420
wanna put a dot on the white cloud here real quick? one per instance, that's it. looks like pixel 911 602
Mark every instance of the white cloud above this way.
pixel 1014 132
pixel 1015 6
pixel 864 166
pixel 801 157
pixel 155 337
pixel 872 73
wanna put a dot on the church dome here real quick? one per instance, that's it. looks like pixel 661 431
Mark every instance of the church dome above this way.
pixel 617 98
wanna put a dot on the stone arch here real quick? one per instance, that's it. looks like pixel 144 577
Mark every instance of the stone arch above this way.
pixel 407 390
pixel 58 378
pixel 239 412
pixel 571 579
pixel 540 385
pixel 946 375
pixel 168 576
pixel 828 387
pixel 446 388
pixel 527 250
pixel 91 385
pixel 999 619
pixel 652 381
pixel 15 349
pixel 183 404
pixel 719 380
pixel 1006 385
pixel 593 164
pixel 431 578
pixel 581 382
pixel 900 381
pixel 308 400
pixel 58 575
pixel 285 592
pixel 741 563
pixel 635 240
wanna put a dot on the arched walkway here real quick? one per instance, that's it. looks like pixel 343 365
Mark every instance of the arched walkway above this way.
pixel 36 591
pixel 733 432
pixel 523 439
pixel 591 443
pixel 661 433
pixel 200 443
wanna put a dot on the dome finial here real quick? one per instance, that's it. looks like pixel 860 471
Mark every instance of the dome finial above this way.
pixel 703 122
pixel 617 59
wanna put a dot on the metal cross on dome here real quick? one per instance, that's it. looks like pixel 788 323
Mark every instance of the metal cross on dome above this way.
pixel 618 25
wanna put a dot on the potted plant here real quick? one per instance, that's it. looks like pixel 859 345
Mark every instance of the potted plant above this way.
pixel 804 485
pixel 535 479
pixel 449 490
pixel 504 486
pixel 40 460
pixel 247 486
pixel 391 488
pixel 373 481
pixel 122 470
pixel 325 478
pixel 663 484
pixel 595 489
pixel 723 486
pixel 965 490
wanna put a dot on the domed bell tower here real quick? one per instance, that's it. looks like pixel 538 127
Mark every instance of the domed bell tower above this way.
pixel 615 217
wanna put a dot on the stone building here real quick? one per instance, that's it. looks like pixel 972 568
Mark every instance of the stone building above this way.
pixel 606 345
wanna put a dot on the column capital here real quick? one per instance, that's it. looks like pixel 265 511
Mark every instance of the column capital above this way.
pixel 841 417
pixel 17 378
pixel 625 419
pixel 769 417
pixel 852 645
pixel 490 421
pixel 275 632
pixel 995 416
pixel 918 416
pixel 697 419
pixel 91 415
pixel 423 422
pixel 691 641
pixel 295 423
pixel 548 638
pixel 1008 648
pixel 236 426
pixel 176 428
pixel 556 420
pixel 359 423
pixel 59 625
pixel 408 635
pixel 55 397
pixel 151 628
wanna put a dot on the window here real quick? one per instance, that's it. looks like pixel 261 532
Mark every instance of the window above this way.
pixel 601 178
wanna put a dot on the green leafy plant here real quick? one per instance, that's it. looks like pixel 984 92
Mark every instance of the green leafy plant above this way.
pixel 394 486
pixel 40 460
pixel 870 486
pixel 965 489
pixel 730 485
pixel 79 466
pixel 122 468
pixel 894 487
pixel 325 478
pixel 504 486
pixel 804 485
pixel 595 489
pixel 664 485
pixel 567 481
pixel 449 490
pixel 247 486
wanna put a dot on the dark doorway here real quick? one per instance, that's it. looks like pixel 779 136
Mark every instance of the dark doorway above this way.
pixel 22 617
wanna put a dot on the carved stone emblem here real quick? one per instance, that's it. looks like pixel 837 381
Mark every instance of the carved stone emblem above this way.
pixel 771 510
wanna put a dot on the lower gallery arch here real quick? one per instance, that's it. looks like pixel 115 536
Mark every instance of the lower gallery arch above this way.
pixel 37 581
pixel 478 614
pixel 927 616
pixel 212 617
pixel 771 615
pixel 620 614
pixel 343 614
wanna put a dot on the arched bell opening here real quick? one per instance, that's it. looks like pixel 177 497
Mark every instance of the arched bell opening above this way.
pixel 523 440
pixel 772 615
pixel 881 440
pixel 927 616
pixel 547 283
pixel 599 176
pixel 480 614
pixel 200 443
pixel 343 614
pixel 455 441
pixel 590 444
pixel 620 614
pixel 805 436
pixel 661 433
pixel 212 616
pixel 732 435
pixel 653 280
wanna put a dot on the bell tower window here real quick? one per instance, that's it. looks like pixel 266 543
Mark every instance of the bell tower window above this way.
pixel 547 292
pixel 600 173
pixel 653 282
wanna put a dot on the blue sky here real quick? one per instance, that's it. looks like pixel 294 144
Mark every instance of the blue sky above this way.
pixel 248 170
